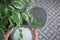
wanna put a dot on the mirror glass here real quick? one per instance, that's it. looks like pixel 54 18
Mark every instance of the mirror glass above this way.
pixel 40 14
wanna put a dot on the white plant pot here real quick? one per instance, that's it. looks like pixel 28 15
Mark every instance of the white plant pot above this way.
pixel 27 35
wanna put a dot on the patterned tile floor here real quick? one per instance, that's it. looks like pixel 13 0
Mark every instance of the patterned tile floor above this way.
pixel 51 31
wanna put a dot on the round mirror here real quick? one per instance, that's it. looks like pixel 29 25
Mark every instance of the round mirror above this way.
pixel 40 15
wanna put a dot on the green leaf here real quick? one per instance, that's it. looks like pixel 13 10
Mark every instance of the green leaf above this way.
pixel 37 24
pixel 18 5
pixel 11 21
pixel 17 18
pixel 2 25
pixel 27 1
pixel 3 12
pixel 32 1
pixel 30 17
pixel 11 8
pixel 25 16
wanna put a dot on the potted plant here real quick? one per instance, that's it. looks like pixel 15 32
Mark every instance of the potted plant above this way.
pixel 13 14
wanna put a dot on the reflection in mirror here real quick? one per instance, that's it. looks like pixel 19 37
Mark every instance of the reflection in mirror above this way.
pixel 40 14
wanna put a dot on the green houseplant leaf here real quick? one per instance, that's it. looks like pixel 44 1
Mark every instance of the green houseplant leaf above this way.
pixel 16 18
pixel 25 16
